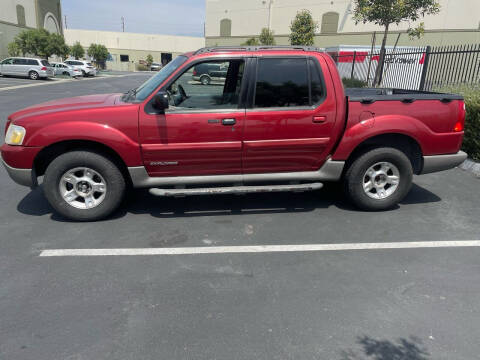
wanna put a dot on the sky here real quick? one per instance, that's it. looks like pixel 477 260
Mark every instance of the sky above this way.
pixel 170 17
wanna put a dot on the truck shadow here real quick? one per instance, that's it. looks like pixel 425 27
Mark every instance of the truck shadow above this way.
pixel 142 202
pixel 401 349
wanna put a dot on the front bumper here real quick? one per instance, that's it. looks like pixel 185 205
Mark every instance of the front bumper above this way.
pixel 436 163
pixel 25 177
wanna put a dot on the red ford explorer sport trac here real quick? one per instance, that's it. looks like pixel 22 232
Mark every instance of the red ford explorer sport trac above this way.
pixel 270 119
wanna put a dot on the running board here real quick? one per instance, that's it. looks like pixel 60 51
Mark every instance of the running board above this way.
pixel 235 189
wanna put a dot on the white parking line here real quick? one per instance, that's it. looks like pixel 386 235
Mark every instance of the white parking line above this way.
pixel 258 248
pixel 58 81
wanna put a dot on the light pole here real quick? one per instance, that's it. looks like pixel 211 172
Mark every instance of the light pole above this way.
pixel 270 7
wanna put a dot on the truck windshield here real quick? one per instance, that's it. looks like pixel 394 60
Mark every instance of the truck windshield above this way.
pixel 151 84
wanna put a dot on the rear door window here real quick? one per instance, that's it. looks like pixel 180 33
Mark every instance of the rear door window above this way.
pixel 282 82
pixel 32 62
pixel 317 85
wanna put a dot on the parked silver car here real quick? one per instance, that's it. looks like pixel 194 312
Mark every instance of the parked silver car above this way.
pixel 85 67
pixel 26 67
pixel 65 69
pixel 156 66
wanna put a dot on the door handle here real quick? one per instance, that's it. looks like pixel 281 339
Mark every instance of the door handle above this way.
pixel 319 119
pixel 229 121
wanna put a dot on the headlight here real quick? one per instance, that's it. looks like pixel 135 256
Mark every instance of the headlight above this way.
pixel 15 135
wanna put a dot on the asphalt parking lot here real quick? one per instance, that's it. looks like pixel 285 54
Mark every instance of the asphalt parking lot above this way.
pixel 382 304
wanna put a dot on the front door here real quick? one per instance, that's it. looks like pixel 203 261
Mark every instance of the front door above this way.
pixel 201 131
pixel 6 67
pixel 289 125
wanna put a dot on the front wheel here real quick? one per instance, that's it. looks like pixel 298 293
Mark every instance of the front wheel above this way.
pixel 84 185
pixel 378 179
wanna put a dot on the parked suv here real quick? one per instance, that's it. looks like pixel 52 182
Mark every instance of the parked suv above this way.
pixel 208 73
pixel 85 67
pixel 281 122
pixel 26 67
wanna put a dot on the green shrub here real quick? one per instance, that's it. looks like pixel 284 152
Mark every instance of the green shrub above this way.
pixel 353 83
pixel 471 141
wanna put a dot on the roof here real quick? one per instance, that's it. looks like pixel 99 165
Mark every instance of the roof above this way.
pixel 256 48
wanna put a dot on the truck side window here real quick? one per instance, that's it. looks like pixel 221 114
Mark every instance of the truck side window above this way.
pixel 282 83
pixel 317 87
pixel 208 85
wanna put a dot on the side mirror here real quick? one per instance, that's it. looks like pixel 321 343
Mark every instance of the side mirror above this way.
pixel 160 101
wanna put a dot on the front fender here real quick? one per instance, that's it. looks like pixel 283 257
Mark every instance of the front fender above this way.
pixel 430 142
pixel 126 147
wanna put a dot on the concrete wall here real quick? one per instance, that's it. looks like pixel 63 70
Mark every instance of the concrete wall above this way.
pixel 36 11
pixel 433 38
pixel 457 23
pixel 249 16
pixel 8 12
pixel 136 46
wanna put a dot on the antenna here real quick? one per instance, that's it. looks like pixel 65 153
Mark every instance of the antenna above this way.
pixel 123 24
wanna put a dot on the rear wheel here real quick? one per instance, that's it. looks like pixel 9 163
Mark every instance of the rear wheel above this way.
pixel 66 73
pixel 378 179
pixel 33 75
pixel 205 80
pixel 83 185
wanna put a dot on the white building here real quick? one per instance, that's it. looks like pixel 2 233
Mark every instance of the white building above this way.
pixel 127 49
pixel 18 15
pixel 231 22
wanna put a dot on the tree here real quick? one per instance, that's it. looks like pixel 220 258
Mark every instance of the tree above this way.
pixel 39 42
pixel 77 51
pixel 33 42
pixel 14 49
pixel 266 37
pixel 99 53
pixel 149 59
pixel 251 42
pixel 57 46
pixel 387 12
pixel 303 29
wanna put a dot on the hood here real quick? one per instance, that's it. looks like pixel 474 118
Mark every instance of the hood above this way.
pixel 68 104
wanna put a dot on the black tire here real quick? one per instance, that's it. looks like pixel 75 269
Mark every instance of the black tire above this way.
pixel 205 80
pixel 115 184
pixel 84 73
pixel 33 75
pixel 355 177
pixel 66 73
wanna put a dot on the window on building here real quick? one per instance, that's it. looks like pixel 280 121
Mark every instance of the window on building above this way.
pixel 225 27
pixel 330 22
pixel 282 83
pixel 124 58
pixel 21 15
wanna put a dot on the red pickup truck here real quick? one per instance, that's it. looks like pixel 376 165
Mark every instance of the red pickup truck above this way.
pixel 280 120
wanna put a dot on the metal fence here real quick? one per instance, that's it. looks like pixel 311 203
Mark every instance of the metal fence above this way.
pixel 424 68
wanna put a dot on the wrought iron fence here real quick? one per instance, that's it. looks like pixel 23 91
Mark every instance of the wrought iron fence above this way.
pixel 424 68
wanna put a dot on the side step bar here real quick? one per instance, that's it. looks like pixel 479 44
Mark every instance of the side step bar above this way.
pixel 235 189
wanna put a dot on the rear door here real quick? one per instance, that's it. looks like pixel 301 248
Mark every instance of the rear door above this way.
pixel 201 132
pixel 291 115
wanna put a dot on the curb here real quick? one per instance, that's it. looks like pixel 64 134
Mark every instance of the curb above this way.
pixel 471 166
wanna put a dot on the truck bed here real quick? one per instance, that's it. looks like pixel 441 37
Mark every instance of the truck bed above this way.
pixel 370 95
